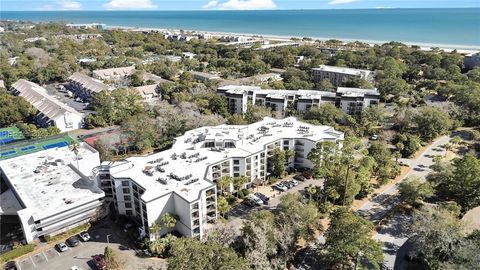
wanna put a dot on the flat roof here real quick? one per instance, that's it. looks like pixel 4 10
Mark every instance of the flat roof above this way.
pixel 343 70
pixel 188 159
pixel 48 182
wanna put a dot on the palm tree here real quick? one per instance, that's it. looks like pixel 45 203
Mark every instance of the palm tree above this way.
pixel 224 182
pixel 239 182
pixel 75 148
pixel 155 229
pixel 169 220
pixel 311 190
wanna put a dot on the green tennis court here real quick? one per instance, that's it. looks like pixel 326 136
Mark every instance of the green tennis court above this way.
pixel 10 134
pixel 31 146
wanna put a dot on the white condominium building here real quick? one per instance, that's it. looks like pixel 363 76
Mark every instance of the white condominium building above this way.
pixel 51 191
pixel 113 74
pixel 51 112
pixel 181 180
pixel 339 75
pixel 350 100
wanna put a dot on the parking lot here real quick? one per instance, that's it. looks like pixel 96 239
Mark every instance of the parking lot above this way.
pixel 81 255
pixel 238 213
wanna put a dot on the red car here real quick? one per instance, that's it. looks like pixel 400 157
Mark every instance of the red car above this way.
pixel 99 262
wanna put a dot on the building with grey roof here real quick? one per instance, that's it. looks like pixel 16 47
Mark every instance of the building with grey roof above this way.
pixel 148 92
pixel 85 87
pixel 113 74
pixel 51 112
pixel 340 75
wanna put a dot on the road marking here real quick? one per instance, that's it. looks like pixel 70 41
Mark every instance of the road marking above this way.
pixel 18 264
pixel 81 243
pixel 45 256
pixel 34 265
pixel 58 253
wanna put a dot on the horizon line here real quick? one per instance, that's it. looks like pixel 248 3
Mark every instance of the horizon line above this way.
pixel 209 10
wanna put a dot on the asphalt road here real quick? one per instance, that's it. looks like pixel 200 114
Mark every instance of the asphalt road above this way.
pixel 394 234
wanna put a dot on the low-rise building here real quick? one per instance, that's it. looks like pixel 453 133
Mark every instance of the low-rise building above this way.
pixel 148 92
pixel 51 191
pixel 51 112
pixel 471 60
pixel 238 97
pixel 181 180
pixel 204 76
pixel 98 26
pixel 113 74
pixel 85 87
pixel 340 75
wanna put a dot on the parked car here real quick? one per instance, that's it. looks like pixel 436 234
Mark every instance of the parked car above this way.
pixel 75 268
pixel 293 182
pixel 262 197
pixel 99 262
pixel 62 247
pixel 300 178
pixel 147 252
pixel 280 187
pixel 257 201
pixel 374 137
pixel 11 265
pixel 73 241
pixel 288 184
pixel 249 202
pixel 84 236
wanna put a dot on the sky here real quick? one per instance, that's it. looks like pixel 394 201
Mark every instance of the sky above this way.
pixel 227 4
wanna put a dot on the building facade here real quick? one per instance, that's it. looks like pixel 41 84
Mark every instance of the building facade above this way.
pixel 182 180
pixel 351 100
pixel 51 191
pixel 51 112
pixel 338 76
pixel 85 87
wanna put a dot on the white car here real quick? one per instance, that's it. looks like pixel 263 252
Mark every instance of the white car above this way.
pixel 62 246
pixel 75 268
pixel 256 200
pixel 84 236
pixel 294 182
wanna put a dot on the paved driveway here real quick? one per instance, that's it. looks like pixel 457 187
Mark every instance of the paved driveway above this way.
pixel 238 214
pixel 394 233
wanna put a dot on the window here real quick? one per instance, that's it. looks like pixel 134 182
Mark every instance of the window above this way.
pixel 128 205
pixel 126 190
pixel 129 212
pixel 236 169
pixel 236 161
pixel 236 175
pixel 209 144
pixel 262 155
pixel 286 148
pixel 127 198
pixel 125 183
pixel 285 142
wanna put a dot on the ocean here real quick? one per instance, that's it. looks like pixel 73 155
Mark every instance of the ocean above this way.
pixel 458 26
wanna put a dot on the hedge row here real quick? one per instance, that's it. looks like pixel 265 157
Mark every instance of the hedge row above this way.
pixel 17 252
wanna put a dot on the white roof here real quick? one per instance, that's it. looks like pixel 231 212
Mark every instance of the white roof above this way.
pixel 273 93
pixel 204 75
pixel 343 70
pixel 48 182
pixel 248 139
pixel 105 74
pixel 349 91
pixel 88 82
pixel 41 100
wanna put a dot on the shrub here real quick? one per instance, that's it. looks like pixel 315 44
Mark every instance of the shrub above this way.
pixel 240 194
pixel 245 192
pixel 17 252
pixel 231 199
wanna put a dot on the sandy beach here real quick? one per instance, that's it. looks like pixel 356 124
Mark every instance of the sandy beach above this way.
pixel 463 49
